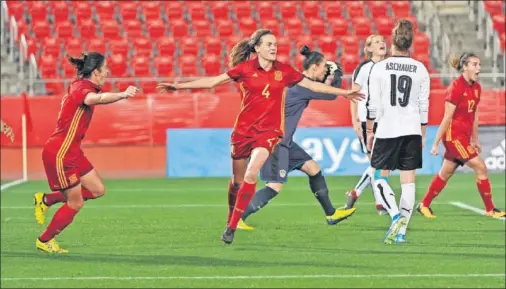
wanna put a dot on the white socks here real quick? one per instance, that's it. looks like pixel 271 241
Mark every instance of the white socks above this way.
pixel 386 197
pixel 407 204
pixel 364 181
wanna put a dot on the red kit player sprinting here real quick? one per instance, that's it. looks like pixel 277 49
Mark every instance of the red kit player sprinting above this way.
pixel 259 126
pixel 460 131
pixel 70 175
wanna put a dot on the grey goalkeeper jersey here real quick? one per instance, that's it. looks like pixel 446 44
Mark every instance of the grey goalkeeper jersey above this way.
pixel 297 99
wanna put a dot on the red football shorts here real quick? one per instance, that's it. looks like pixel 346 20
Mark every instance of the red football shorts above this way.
pixel 459 151
pixel 65 173
pixel 242 146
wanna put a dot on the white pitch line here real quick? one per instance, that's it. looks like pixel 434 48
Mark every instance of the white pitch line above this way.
pixel 408 276
pixel 11 184
pixel 471 208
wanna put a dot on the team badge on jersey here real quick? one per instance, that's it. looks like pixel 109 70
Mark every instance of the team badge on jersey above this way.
pixel 470 149
pixel 278 75
pixel 73 179
pixel 282 173
pixel 476 93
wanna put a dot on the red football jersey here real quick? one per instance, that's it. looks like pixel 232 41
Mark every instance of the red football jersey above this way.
pixel 74 118
pixel 263 96
pixel 466 97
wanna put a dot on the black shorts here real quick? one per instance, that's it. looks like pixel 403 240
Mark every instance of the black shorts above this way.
pixel 282 161
pixel 402 153
pixel 365 150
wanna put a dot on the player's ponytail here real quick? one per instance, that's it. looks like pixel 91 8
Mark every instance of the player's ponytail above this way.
pixel 311 57
pixel 242 50
pixel 458 63
pixel 87 63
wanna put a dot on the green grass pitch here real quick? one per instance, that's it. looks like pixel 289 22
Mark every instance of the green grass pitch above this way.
pixel 166 233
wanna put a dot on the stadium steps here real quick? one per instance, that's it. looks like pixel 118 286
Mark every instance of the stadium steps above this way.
pixel 9 74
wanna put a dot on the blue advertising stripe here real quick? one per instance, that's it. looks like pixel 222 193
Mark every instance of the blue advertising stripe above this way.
pixel 206 152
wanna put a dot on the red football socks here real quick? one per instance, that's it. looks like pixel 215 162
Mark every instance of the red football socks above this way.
pixel 87 195
pixel 232 196
pixel 53 198
pixel 436 186
pixel 244 196
pixel 486 193
pixel 61 219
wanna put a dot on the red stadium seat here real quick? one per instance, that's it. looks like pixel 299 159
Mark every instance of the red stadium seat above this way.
pixel 149 87
pixel 362 26
pixel 128 10
pixel 156 28
pixel 189 46
pixel 317 27
pixel 164 65
pixel 350 44
pixel 220 10
pixel 22 28
pixel 310 9
pixel 174 10
pixel 202 28
pixel 166 46
pixel 354 9
pixel 123 85
pixel 87 28
pixel 384 25
pixel 421 44
pixel 133 28
pixel 247 26
pixel 401 8
pixel 377 8
pixel 60 11
pixel 97 45
pixel 499 23
pixel 41 29
pixel 32 47
pixel 302 40
pixel 141 66
pixel 51 46
pixel 333 9
pixel 38 11
pixel 423 58
pixel 242 9
pixel 327 44
pixel 179 28
pixel 117 65
pixel 339 26
pixel 142 46
pixel 65 30
pixel 188 65
pixel 293 27
pixel 151 10
pixel 107 87
pixel 73 47
pixel 119 46
pixel 82 9
pixel 224 28
pixel 349 62
pixel 197 10
pixel 55 88
pixel 273 25
pixel 265 9
pixel 284 45
pixel 232 41
pixel 47 66
pixel 16 9
pixel 212 65
pixel 494 7
pixel 298 62
pixel 283 58
pixel 106 10
pixel 212 45
pixel 288 9
pixel 503 40
pixel 69 71
pixel 110 29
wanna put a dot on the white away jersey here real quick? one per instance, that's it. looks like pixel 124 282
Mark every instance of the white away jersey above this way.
pixel 361 77
pixel 399 89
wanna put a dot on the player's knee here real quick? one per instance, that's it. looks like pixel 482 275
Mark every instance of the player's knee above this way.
pixel 251 176
pixel 75 201
pixel 311 168
pixel 481 170
pixel 100 191
pixel 275 186
pixel 445 175
pixel 237 180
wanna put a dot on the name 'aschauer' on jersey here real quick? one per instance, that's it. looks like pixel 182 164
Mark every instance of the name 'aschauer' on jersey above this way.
pixel 399 88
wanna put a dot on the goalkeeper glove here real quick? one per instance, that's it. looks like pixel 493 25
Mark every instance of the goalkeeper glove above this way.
pixel 336 70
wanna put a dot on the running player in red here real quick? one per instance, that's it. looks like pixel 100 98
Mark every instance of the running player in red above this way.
pixel 259 126
pixel 460 130
pixel 70 175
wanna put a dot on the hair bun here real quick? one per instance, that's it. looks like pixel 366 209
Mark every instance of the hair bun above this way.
pixel 305 50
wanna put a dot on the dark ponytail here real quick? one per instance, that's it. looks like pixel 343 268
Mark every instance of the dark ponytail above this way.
pixel 312 57
pixel 87 63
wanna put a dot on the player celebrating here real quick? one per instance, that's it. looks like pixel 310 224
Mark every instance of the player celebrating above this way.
pixel 259 126
pixel 400 102
pixel 69 173
pixel 460 130
pixel 290 156
pixel 375 49
pixel 7 130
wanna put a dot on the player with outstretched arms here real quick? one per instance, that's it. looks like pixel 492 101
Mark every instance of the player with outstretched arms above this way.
pixel 399 89
pixel 459 132
pixel 375 49
pixel 288 155
pixel 70 175
pixel 259 126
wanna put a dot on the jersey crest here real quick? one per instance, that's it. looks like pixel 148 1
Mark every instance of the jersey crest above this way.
pixel 278 75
